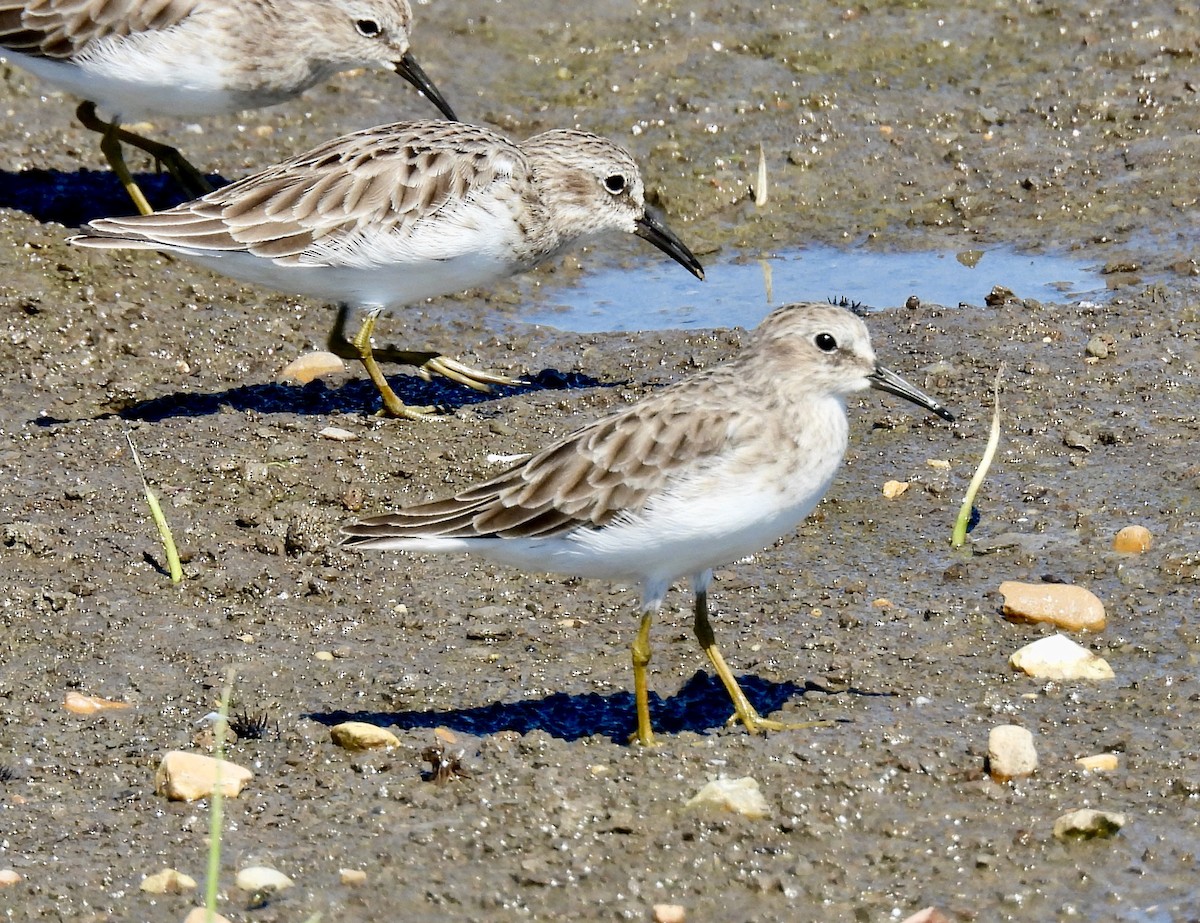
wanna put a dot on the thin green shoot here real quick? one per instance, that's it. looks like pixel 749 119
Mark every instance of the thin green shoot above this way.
pixel 216 817
pixel 959 535
pixel 160 520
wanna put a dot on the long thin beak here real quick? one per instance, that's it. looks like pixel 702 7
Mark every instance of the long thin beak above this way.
pixel 889 381
pixel 651 229
pixel 410 70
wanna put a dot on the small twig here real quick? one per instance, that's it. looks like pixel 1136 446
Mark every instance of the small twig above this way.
pixel 959 535
pixel 160 520
pixel 760 187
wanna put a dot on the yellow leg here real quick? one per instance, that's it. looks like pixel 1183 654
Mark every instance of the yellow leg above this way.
pixel 362 351
pixel 641 692
pixel 426 363
pixel 189 179
pixel 743 711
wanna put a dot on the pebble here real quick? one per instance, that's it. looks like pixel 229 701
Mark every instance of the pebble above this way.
pixel 741 796
pixel 311 366
pixel 1132 540
pixel 262 878
pixel 1011 753
pixel 1101 762
pixel 669 913
pixel 168 881
pixel 1058 657
pixel 352 877
pixel 80 704
pixel 8 877
pixel 337 434
pixel 358 735
pixel 1087 824
pixel 200 915
pixel 184 776
pixel 1072 608
pixel 928 915
pixel 894 489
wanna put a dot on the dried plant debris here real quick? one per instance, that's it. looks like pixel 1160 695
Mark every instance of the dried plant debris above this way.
pixel 256 725
pixel 444 764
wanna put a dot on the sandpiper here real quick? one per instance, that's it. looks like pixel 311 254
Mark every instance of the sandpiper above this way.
pixel 701 473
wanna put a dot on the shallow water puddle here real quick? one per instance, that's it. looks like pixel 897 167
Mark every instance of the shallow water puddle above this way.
pixel 655 294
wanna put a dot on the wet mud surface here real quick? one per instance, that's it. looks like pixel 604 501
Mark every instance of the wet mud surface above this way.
pixel 900 126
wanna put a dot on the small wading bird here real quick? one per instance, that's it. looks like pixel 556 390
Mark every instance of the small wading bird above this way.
pixel 191 58
pixel 703 472
pixel 399 213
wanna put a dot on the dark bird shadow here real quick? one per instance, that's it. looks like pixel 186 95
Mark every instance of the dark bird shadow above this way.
pixel 701 705
pixel 317 398
pixel 78 197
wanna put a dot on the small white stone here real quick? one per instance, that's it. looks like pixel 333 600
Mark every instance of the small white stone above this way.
pixel 741 796
pixel 8 877
pixel 337 434
pixel 1011 753
pixel 1087 824
pixel 1058 657
pixel 669 913
pixel 200 915
pixel 262 878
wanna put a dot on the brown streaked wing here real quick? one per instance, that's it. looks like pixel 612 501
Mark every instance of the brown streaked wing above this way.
pixel 61 28
pixel 369 180
pixel 610 467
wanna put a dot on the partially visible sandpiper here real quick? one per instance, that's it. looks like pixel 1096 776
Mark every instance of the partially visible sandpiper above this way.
pixel 396 214
pixel 698 474
pixel 199 57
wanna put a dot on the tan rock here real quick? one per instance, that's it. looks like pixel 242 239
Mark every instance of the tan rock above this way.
pixel 184 776
pixel 256 878
pixel 1058 657
pixel 1101 762
pixel 669 913
pixel 1132 539
pixel 353 877
pixel 358 735
pixel 741 796
pixel 168 881
pixel 8 877
pixel 1087 824
pixel 311 366
pixel 1071 608
pixel 1011 753
pixel 893 489
pixel 80 704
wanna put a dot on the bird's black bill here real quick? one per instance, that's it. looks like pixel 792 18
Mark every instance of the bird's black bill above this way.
pixel 410 70
pixel 892 383
pixel 651 229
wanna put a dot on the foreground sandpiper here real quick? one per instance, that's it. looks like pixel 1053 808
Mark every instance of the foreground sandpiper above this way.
pixel 399 213
pixel 200 57
pixel 698 474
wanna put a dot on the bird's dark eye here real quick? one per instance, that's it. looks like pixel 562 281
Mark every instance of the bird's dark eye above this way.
pixel 615 183
pixel 368 27
pixel 825 342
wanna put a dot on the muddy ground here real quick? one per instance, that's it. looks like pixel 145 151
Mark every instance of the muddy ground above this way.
pixel 903 126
